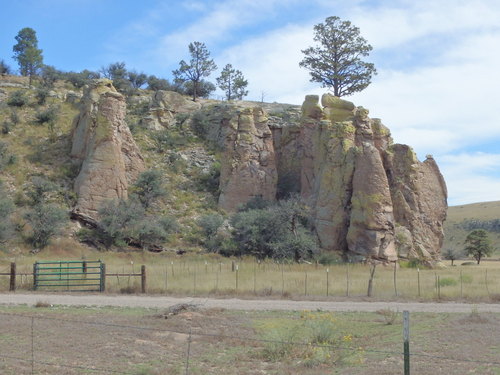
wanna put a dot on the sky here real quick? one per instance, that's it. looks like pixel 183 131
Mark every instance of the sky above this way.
pixel 438 61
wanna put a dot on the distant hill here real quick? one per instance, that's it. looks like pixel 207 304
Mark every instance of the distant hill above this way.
pixel 464 218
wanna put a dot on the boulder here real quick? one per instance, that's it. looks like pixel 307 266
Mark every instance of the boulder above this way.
pixel 104 147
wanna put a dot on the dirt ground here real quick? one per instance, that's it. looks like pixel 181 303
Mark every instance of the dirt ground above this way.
pixel 92 340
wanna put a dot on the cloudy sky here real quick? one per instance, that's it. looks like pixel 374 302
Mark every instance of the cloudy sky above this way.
pixel 438 61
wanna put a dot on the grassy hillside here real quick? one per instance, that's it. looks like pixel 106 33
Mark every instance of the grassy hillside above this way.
pixel 30 147
pixel 464 218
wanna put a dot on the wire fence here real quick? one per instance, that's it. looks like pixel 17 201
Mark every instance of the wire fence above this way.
pixel 281 279
pixel 37 344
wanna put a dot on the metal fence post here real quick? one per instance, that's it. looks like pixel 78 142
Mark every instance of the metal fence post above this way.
pixel 35 270
pixel 406 338
pixel 12 286
pixel 102 287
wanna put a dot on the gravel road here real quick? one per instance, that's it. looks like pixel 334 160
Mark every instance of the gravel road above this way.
pixel 238 304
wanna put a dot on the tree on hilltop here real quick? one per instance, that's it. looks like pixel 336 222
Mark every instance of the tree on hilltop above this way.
pixel 336 61
pixel 27 53
pixel 200 65
pixel 478 245
pixel 232 82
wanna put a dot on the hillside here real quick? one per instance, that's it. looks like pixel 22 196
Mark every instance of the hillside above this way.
pixel 323 176
pixel 464 218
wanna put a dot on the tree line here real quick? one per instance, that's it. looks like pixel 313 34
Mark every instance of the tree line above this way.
pixel 336 62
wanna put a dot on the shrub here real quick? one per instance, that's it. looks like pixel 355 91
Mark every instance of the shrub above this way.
pixel 48 115
pixel 117 220
pixel 6 208
pixel 6 158
pixel 200 123
pixel 17 99
pixel 148 187
pixel 49 75
pixel 46 221
pixel 14 117
pixel 328 257
pixel 40 187
pixel 6 127
pixel 447 281
pixel 167 139
pixel 209 181
pixel 125 222
pixel 278 232
pixel 210 224
pixel 41 95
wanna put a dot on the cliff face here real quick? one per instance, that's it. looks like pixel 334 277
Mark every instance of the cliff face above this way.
pixel 248 168
pixel 369 197
pixel 103 145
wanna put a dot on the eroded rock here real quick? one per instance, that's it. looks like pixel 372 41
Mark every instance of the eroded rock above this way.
pixel 103 145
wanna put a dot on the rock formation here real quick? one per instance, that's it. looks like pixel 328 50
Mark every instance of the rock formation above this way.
pixel 248 168
pixel 104 147
pixel 369 198
pixel 165 105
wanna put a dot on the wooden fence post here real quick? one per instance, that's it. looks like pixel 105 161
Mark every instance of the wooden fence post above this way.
pixel 12 286
pixel 143 279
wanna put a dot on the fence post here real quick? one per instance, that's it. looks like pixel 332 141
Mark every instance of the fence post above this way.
pixel 406 338
pixel 327 281
pixel 12 286
pixel 395 279
pixel 418 280
pixel 103 278
pixel 143 278
pixel 35 281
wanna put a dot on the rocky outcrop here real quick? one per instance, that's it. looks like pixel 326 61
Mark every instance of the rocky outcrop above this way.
pixel 369 198
pixel 104 147
pixel 248 167
pixel 363 190
pixel 419 194
pixel 165 106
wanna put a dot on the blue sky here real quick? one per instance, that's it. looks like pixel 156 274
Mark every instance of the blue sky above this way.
pixel 438 61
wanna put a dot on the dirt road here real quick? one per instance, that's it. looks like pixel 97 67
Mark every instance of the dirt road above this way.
pixel 237 304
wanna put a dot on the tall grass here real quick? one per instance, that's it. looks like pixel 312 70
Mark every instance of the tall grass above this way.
pixel 212 275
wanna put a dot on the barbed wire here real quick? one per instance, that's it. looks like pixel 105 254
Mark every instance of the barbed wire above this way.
pixel 269 341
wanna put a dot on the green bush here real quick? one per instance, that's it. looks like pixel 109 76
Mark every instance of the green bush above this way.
pixel 200 123
pixel 6 208
pixel 466 279
pixel 45 221
pixel 41 95
pixel 48 115
pixel 6 127
pixel 329 257
pixel 17 99
pixel 167 139
pixel 124 222
pixel 447 281
pixel 14 117
pixel 278 232
pixel 149 187
pixel 6 158
pixel 210 181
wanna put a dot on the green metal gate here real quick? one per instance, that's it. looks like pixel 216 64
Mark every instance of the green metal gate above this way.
pixel 70 276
